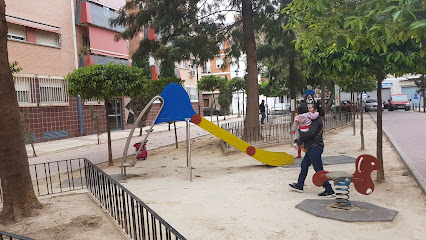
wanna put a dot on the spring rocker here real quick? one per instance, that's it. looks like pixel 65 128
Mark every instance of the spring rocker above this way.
pixel 341 208
pixel 364 165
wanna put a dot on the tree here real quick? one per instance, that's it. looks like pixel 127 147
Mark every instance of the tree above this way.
pixel 26 122
pixel 14 67
pixel 421 84
pixel 237 84
pixel 105 82
pixel 211 83
pixel 19 199
pixel 278 53
pixel 193 30
pixel 225 98
pixel 325 24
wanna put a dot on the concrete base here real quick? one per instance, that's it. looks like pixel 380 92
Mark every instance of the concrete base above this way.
pixel 331 160
pixel 360 211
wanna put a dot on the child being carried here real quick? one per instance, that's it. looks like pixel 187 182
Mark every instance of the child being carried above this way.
pixel 303 121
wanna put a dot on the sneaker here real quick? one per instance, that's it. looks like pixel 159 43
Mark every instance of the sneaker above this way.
pixel 326 194
pixel 295 188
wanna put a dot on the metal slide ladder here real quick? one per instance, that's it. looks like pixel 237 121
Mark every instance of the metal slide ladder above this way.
pixel 125 164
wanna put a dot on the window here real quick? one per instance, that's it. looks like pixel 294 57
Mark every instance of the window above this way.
pixel 16 32
pixel 25 89
pixel 182 64
pixel 48 38
pixel 192 93
pixel 53 91
pixel 219 62
pixel 86 41
pixel 207 67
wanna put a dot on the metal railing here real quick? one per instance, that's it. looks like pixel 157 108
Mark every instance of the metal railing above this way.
pixel 11 236
pixel 134 217
pixel 58 176
pixel 25 87
pixel 53 90
pixel 277 129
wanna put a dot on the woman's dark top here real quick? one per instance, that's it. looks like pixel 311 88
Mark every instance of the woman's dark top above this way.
pixel 312 138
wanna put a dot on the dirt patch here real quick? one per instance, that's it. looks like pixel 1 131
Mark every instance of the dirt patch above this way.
pixel 237 197
pixel 71 216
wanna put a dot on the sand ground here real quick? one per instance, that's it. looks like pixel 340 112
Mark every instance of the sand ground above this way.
pixel 69 216
pixel 236 197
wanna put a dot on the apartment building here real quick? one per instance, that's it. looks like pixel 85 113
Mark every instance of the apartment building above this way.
pixel 49 39
pixel 220 66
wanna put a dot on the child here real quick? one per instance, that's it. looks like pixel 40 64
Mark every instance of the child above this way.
pixel 302 121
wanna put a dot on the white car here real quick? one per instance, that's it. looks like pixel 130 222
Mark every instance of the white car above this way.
pixel 371 105
pixel 278 109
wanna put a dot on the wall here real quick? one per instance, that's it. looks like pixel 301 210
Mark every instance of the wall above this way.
pixel 37 59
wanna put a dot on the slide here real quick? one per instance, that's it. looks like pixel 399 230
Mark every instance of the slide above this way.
pixel 266 157
pixel 177 107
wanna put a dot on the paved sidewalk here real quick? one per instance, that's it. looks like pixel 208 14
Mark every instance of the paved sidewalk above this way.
pixel 86 146
pixel 407 132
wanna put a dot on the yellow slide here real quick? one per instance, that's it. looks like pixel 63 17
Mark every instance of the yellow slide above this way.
pixel 266 157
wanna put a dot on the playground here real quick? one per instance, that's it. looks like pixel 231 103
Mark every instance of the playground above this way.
pixel 237 197
pixel 241 195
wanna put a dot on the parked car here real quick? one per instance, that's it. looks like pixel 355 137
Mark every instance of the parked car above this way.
pixel 346 106
pixel 279 109
pixel 399 101
pixel 213 111
pixel 371 105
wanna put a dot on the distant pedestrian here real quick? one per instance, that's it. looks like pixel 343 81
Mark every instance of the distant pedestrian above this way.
pixel 262 111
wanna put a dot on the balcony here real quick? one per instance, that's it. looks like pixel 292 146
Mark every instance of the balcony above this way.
pixel 92 14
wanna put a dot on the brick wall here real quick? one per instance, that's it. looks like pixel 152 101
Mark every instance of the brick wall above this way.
pixel 37 59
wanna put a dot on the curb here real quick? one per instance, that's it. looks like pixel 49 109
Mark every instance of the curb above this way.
pixel 411 169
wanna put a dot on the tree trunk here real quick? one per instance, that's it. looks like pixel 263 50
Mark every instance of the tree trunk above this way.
pixel 238 104
pixel 361 130
pixel 19 199
pixel 211 107
pixel 292 79
pixel 330 103
pixel 379 151
pixel 352 109
pixel 252 115
pixel 110 162
pixel 323 95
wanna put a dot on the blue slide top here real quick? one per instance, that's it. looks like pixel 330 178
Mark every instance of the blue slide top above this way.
pixel 177 105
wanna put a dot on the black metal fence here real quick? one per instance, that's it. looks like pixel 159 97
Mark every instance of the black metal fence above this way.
pixel 134 217
pixel 277 129
pixel 11 236
pixel 58 176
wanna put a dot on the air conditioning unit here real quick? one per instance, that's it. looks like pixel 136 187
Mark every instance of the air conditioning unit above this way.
pixel 193 72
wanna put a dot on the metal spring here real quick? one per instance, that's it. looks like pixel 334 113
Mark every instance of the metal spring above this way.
pixel 342 192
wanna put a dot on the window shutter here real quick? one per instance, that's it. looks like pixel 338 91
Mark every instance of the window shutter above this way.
pixel 15 31
pixel 47 38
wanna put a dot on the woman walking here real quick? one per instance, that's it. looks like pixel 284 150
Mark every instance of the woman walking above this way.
pixel 313 142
